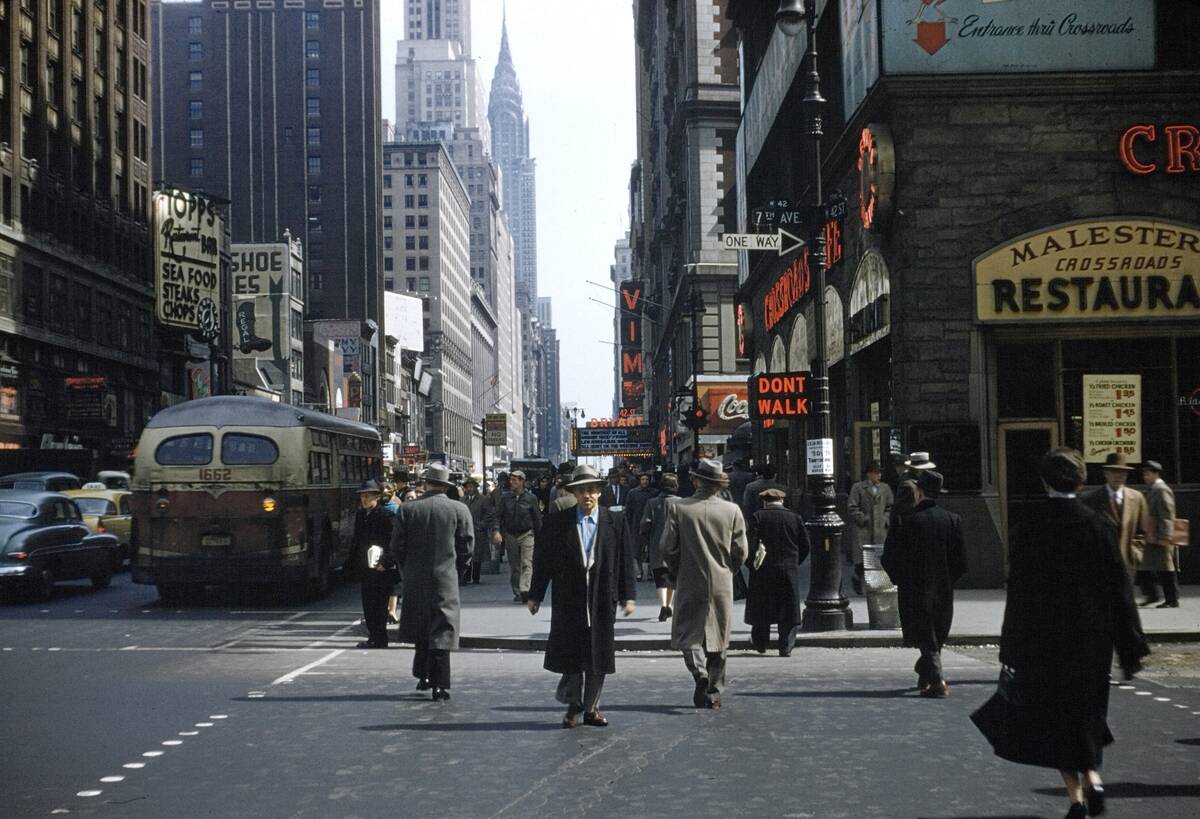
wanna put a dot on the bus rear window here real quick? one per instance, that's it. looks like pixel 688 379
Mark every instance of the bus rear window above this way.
pixel 185 450
pixel 245 450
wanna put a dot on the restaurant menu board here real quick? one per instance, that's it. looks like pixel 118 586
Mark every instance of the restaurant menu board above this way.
pixel 1112 417
pixel 629 441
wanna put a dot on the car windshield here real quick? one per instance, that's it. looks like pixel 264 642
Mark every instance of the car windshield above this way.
pixel 95 506
pixel 27 484
pixel 16 509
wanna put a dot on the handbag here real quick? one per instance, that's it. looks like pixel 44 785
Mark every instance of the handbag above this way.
pixel 1179 533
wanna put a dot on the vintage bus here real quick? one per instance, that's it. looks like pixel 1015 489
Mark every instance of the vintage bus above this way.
pixel 242 490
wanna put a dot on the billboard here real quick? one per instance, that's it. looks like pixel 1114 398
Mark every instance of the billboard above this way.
pixel 633 360
pixel 727 403
pixel 628 441
pixel 860 52
pixel 403 320
pixel 266 282
pixel 974 36
pixel 187 262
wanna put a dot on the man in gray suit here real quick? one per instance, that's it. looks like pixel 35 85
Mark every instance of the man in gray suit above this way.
pixel 869 504
pixel 432 541
pixel 1160 561
pixel 703 544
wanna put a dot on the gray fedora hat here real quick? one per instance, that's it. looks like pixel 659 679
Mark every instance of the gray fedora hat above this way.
pixel 930 482
pixel 920 460
pixel 709 470
pixel 438 473
pixel 583 475
pixel 370 486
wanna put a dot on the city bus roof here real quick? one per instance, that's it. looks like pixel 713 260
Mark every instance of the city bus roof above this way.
pixel 249 411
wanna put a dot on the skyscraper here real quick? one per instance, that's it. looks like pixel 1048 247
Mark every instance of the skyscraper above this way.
pixel 439 20
pixel 510 149
pixel 275 106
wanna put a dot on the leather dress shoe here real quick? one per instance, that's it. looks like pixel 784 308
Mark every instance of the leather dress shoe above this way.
pixel 759 648
pixel 936 690
pixel 370 644
pixel 664 614
pixel 1170 604
pixel 700 695
pixel 423 684
pixel 1078 811
pixel 440 694
pixel 714 702
pixel 1094 796
pixel 570 719
pixel 595 719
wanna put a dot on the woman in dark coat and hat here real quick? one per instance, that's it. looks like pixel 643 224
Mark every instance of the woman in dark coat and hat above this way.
pixel 1070 603
pixel 585 553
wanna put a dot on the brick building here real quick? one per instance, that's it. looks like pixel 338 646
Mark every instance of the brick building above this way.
pixel 1019 240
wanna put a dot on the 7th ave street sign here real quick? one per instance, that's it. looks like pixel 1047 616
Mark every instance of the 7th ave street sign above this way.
pixel 761 241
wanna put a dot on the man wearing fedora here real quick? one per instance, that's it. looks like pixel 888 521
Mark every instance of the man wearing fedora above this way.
pixel 924 556
pixel 905 496
pixel 585 552
pixel 1125 508
pixel 1161 561
pixel 480 507
pixel 432 541
pixel 373 567
pixel 703 544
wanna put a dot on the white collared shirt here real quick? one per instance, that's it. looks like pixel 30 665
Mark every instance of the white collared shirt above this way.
pixel 1117 496
pixel 587 559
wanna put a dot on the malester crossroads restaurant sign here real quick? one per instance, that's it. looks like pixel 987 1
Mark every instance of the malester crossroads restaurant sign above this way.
pixel 1112 268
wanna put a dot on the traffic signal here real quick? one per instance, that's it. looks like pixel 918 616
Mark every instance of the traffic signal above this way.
pixel 696 418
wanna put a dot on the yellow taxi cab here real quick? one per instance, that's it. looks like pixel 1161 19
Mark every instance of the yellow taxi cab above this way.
pixel 106 510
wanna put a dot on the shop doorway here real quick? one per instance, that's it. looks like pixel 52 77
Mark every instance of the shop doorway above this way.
pixel 1022 445
pixel 872 442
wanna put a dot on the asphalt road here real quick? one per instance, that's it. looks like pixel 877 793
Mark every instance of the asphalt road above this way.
pixel 252 707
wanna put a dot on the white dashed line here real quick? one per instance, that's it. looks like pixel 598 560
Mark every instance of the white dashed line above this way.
pixel 257 695
pixel 1162 699
pixel 59 810
pixel 133 766
pixel 173 742
pixel 1184 707
pixel 112 779
pixel 89 793
pixel 55 648
pixel 189 733
pixel 152 753
pixel 204 725
pixel 1142 693
pixel 218 716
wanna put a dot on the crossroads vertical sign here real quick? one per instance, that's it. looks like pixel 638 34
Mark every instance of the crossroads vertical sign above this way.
pixel 633 358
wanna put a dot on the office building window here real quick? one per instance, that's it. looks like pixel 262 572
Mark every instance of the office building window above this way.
pixel 412 282
pixel 195 109
pixel 422 200
pixel 409 221
pixel 195 80
pixel 195 26
pixel 196 137
pixel 408 180
pixel 388 264
pixel 195 51
pixel 314 135
pixel 387 180
pixel 312 77
pixel 387 284
pixel 423 243
pixel 387 223
pixel 423 284
pixel 423 263
pixel 387 201
pixel 312 106
pixel 314 164
pixel 312 20
pixel 410 243
pixel 422 180
pixel 408 201
pixel 314 193
pixel 197 166
pixel 410 263
pixel 387 242
pixel 312 48
pixel 423 221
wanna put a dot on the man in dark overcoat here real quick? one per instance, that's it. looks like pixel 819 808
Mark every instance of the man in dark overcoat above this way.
pixel 585 553
pixel 750 498
pixel 432 541
pixel 615 493
pixel 373 527
pixel 481 509
pixel 775 582
pixel 924 556
pixel 703 544
pixel 635 506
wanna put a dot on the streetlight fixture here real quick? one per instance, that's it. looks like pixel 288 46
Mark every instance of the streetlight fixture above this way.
pixel 825 608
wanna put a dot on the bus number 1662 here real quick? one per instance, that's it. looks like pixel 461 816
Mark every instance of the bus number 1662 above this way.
pixel 216 474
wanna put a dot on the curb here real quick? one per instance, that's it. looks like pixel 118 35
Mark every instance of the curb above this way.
pixel 874 639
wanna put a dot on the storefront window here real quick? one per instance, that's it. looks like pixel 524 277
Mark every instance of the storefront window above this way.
pixel 1025 380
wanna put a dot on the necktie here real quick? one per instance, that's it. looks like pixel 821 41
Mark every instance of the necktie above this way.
pixel 589 536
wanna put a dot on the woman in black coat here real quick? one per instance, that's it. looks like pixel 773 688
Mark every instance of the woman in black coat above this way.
pixel 1070 603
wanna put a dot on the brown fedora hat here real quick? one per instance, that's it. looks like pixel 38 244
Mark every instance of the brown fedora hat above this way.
pixel 1116 460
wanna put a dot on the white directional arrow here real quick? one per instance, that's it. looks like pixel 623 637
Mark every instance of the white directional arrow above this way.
pixel 762 241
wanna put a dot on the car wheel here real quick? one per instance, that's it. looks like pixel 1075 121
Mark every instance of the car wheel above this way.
pixel 101 578
pixel 43 588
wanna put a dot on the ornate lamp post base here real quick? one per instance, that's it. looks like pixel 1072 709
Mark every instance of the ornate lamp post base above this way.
pixel 826 609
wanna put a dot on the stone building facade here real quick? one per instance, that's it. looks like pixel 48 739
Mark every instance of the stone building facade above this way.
pixel 989 293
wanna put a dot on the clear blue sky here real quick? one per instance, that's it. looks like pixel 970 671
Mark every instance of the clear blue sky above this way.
pixel 575 61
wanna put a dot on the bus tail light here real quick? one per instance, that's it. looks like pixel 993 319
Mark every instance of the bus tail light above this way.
pixel 162 504
pixel 268 504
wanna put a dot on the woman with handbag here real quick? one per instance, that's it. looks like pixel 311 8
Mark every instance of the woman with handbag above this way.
pixel 1070 603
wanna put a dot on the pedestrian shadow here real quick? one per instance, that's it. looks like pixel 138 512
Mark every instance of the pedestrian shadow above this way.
pixel 669 710
pixel 873 694
pixel 463 727
pixel 1136 790
pixel 1192 741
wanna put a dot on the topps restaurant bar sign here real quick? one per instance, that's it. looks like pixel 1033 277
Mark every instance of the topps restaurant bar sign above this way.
pixel 187 262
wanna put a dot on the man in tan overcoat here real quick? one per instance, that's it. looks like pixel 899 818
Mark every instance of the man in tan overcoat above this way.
pixel 703 544
pixel 1161 560
pixel 1124 507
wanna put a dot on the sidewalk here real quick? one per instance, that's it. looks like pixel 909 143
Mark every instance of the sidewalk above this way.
pixel 491 620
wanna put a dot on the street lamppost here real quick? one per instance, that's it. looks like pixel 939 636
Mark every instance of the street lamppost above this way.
pixel 576 414
pixel 696 307
pixel 825 609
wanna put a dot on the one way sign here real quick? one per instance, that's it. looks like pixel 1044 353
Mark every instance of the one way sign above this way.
pixel 761 241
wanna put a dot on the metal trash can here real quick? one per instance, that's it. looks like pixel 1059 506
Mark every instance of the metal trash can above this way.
pixel 882 608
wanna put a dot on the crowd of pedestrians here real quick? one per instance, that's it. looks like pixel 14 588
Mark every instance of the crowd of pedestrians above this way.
pixel 590 538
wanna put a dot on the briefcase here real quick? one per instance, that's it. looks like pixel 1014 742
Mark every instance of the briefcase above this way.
pixel 1180 535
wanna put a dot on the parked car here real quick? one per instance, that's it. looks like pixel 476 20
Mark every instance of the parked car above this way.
pixel 43 540
pixel 113 479
pixel 106 510
pixel 40 481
